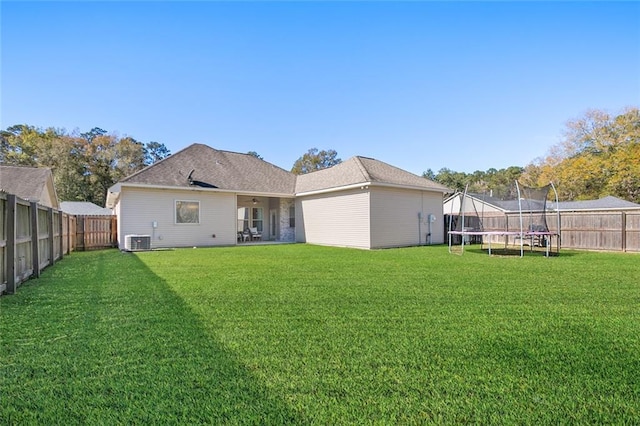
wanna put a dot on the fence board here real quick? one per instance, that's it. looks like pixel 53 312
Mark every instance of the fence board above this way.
pixel 3 243
pixel 33 237
pixel 632 230
pixel 96 232
pixel 602 230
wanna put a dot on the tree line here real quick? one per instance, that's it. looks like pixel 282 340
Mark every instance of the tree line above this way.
pixel 84 165
pixel 598 155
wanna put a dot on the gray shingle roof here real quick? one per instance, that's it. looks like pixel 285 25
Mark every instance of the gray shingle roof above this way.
pixel 510 205
pixel 84 208
pixel 233 171
pixel 213 168
pixel 609 202
pixel 28 183
pixel 357 170
pixel 605 203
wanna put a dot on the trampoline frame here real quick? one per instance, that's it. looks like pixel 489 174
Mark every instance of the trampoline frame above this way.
pixel 521 234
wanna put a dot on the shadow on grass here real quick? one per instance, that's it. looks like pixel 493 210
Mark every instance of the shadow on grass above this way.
pixel 515 251
pixel 100 339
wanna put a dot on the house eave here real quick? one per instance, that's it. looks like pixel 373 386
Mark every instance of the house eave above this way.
pixel 114 192
pixel 362 185
pixel 366 185
pixel 412 187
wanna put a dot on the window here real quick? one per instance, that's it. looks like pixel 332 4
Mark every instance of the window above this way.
pixel 250 218
pixel 256 218
pixel 243 218
pixel 292 217
pixel 188 212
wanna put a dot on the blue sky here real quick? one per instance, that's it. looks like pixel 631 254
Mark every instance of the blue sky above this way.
pixel 419 85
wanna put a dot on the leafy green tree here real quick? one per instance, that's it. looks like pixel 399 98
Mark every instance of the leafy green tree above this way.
pixel 19 145
pixel 598 156
pixel 129 156
pixel 429 174
pixel 92 134
pixel 451 179
pixel 155 151
pixel 84 165
pixel 315 160
pixel 625 183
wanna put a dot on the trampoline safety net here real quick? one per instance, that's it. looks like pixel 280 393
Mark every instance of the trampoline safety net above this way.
pixel 519 217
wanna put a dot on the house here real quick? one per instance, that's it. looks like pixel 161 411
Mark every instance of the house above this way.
pixel 201 196
pixel 29 183
pixel 366 203
pixel 84 208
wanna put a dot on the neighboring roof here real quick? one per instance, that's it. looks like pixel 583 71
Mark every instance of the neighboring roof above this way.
pixel 605 203
pixel 84 208
pixel 199 165
pixel 28 183
pixel 362 170
pixel 507 205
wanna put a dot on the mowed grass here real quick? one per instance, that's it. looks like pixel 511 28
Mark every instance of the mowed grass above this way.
pixel 297 334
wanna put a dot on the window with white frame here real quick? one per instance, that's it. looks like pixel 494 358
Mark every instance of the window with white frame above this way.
pixel 187 212
pixel 257 218
pixel 243 218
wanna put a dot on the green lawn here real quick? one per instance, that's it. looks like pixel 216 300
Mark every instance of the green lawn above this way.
pixel 317 335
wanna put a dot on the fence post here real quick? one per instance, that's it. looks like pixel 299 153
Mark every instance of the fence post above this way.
pixel 35 239
pixel 69 234
pixel 114 231
pixel 51 233
pixel 11 243
pixel 70 243
pixel 80 232
pixel 74 224
pixel 624 231
pixel 73 229
pixel 60 234
pixel 85 221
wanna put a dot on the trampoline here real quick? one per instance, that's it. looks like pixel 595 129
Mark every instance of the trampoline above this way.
pixel 513 220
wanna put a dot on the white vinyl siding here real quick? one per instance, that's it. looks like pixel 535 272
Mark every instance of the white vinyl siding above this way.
pixel 139 208
pixel 400 217
pixel 116 211
pixel 335 219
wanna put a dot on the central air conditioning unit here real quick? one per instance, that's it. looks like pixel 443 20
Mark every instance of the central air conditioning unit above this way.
pixel 137 242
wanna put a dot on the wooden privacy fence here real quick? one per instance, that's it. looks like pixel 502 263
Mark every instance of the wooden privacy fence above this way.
pixel 33 237
pixel 593 230
pixel 610 230
pixel 96 232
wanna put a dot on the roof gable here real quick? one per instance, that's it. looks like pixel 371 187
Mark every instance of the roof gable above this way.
pixel 359 170
pixel 201 166
pixel 348 172
pixel 29 183
pixel 385 173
